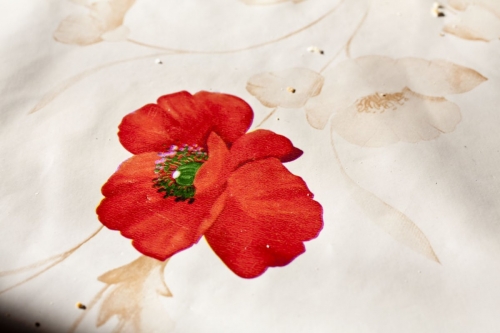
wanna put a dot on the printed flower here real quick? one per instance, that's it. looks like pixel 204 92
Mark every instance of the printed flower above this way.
pixel 103 22
pixel 290 88
pixel 476 19
pixel 377 100
pixel 196 173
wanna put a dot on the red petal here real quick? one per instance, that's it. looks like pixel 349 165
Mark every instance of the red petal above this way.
pixel 210 181
pixel 213 174
pixel 182 118
pixel 159 227
pixel 262 144
pixel 232 116
pixel 148 129
pixel 267 216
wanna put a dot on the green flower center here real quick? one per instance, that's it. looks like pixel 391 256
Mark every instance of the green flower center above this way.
pixel 176 170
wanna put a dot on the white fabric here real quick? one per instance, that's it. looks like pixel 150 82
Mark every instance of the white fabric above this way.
pixel 59 145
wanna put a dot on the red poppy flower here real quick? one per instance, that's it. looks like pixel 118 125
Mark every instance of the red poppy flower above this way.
pixel 196 173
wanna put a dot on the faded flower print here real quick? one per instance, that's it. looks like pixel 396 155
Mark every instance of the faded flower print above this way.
pixel 134 296
pixel 290 88
pixel 104 21
pixel 475 19
pixel 376 101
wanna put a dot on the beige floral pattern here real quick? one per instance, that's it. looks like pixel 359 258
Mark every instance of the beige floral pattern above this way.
pixel 290 88
pixel 104 21
pixel 134 296
pixel 378 100
pixel 475 19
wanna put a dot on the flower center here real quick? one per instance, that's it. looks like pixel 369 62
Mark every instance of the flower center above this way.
pixel 378 103
pixel 176 170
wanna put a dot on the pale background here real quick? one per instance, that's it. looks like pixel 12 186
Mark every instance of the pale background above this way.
pixel 354 277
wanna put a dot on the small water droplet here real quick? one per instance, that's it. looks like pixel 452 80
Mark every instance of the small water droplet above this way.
pixel 158 61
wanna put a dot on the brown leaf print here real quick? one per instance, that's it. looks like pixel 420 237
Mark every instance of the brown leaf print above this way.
pixel 268 2
pixel 103 22
pixel 290 88
pixel 399 226
pixel 134 297
pixel 42 266
pixel 376 101
pixel 475 19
